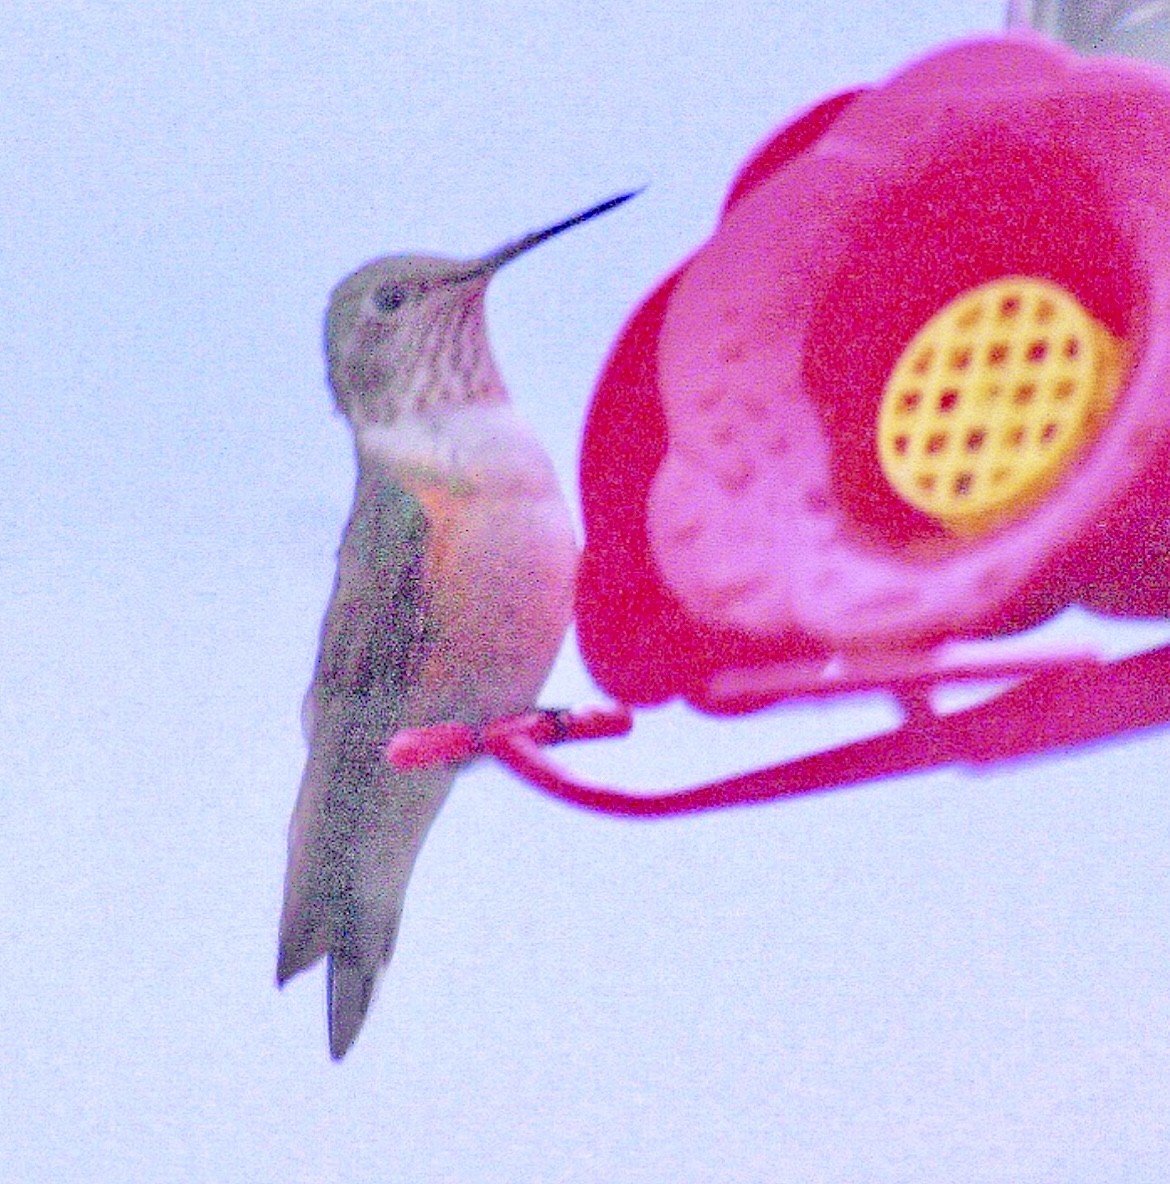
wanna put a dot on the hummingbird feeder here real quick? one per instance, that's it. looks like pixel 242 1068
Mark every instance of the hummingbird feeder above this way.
pixel 914 390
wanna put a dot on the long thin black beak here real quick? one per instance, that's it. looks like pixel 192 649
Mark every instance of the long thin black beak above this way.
pixel 505 254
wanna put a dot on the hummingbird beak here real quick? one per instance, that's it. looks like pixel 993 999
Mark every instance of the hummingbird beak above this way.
pixel 505 254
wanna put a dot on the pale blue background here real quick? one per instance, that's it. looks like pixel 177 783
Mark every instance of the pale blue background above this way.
pixel 944 978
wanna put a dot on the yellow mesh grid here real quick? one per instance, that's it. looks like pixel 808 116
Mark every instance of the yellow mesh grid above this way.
pixel 993 398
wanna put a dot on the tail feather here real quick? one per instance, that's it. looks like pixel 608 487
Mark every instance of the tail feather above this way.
pixel 349 991
pixel 362 937
pixel 302 937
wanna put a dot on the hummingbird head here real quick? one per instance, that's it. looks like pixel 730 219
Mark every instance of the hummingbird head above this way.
pixel 406 332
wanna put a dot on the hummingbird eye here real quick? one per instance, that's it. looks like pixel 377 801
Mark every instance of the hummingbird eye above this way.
pixel 389 297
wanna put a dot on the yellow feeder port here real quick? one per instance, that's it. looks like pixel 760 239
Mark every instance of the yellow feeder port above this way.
pixel 993 399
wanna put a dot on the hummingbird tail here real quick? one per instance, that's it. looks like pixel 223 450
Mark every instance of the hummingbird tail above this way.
pixel 355 834
pixel 350 990
pixel 302 937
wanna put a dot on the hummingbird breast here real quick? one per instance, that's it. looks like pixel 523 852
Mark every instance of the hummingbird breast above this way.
pixel 500 561
pixel 500 582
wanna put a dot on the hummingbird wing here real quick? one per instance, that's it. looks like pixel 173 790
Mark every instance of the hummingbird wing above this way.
pixel 358 824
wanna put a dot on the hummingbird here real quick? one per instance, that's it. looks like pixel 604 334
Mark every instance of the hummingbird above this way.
pixel 454 590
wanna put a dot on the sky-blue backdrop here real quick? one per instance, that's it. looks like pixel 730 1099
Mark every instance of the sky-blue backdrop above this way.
pixel 942 978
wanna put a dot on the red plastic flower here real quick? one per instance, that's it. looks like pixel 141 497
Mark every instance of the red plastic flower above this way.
pixel 745 495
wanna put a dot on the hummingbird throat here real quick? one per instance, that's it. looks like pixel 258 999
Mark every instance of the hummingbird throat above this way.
pixel 445 363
